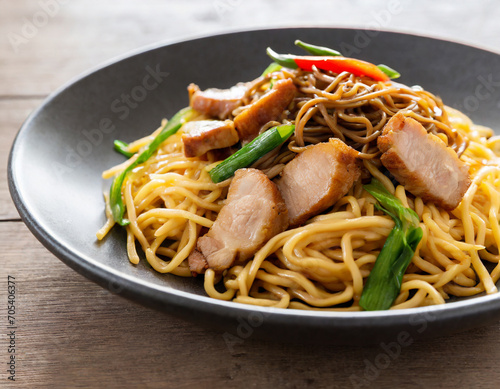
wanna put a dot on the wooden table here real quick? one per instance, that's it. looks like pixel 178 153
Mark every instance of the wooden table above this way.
pixel 71 332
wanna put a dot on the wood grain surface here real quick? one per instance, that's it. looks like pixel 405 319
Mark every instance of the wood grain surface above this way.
pixel 73 333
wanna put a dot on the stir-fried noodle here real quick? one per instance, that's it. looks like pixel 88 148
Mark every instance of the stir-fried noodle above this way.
pixel 171 201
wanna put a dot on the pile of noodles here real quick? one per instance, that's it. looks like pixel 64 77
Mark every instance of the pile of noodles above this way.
pixel 171 201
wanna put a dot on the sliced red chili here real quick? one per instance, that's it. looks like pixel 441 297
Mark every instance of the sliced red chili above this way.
pixel 342 64
pixel 336 64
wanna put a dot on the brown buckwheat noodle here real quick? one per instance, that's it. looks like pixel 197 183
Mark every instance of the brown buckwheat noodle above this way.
pixel 171 200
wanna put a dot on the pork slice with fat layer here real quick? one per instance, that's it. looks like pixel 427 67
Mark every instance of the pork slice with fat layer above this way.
pixel 204 135
pixel 217 103
pixel 423 163
pixel 268 108
pixel 317 178
pixel 254 212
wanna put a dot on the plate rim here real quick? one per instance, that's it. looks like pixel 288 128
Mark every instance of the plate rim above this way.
pixel 139 290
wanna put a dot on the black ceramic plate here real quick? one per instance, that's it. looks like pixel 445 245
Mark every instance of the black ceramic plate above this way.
pixel 56 163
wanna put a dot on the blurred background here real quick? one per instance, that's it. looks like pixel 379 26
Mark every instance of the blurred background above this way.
pixel 67 37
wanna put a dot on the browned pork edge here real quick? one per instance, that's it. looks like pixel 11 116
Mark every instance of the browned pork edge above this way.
pixel 204 135
pixel 268 108
pixel 254 212
pixel 317 178
pixel 423 163
pixel 217 103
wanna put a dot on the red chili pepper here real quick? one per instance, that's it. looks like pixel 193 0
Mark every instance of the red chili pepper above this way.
pixel 342 64
pixel 335 64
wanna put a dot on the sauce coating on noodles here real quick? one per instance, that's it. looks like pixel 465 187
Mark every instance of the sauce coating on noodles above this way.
pixel 323 259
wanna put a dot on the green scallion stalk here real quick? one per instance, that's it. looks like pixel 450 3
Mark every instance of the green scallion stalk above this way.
pixel 285 60
pixel 273 67
pixel 122 148
pixel 384 282
pixel 317 50
pixel 252 151
pixel 390 72
pixel 115 192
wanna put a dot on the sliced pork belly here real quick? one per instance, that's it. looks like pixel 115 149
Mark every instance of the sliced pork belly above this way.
pixel 217 102
pixel 317 178
pixel 423 163
pixel 197 262
pixel 269 107
pixel 254 212
pixel 222 154
pixel 203 135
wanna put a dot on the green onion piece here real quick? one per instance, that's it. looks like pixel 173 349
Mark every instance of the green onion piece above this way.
pixel 122 147
pixel 251 152
pixel 391 73
pixel 285 60
pixel 273 67
pixel 384 282
pixel 115 192
pixel 317 50
pixel 392 205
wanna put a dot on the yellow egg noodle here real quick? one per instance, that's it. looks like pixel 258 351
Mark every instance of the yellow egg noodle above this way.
pixel 171 201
